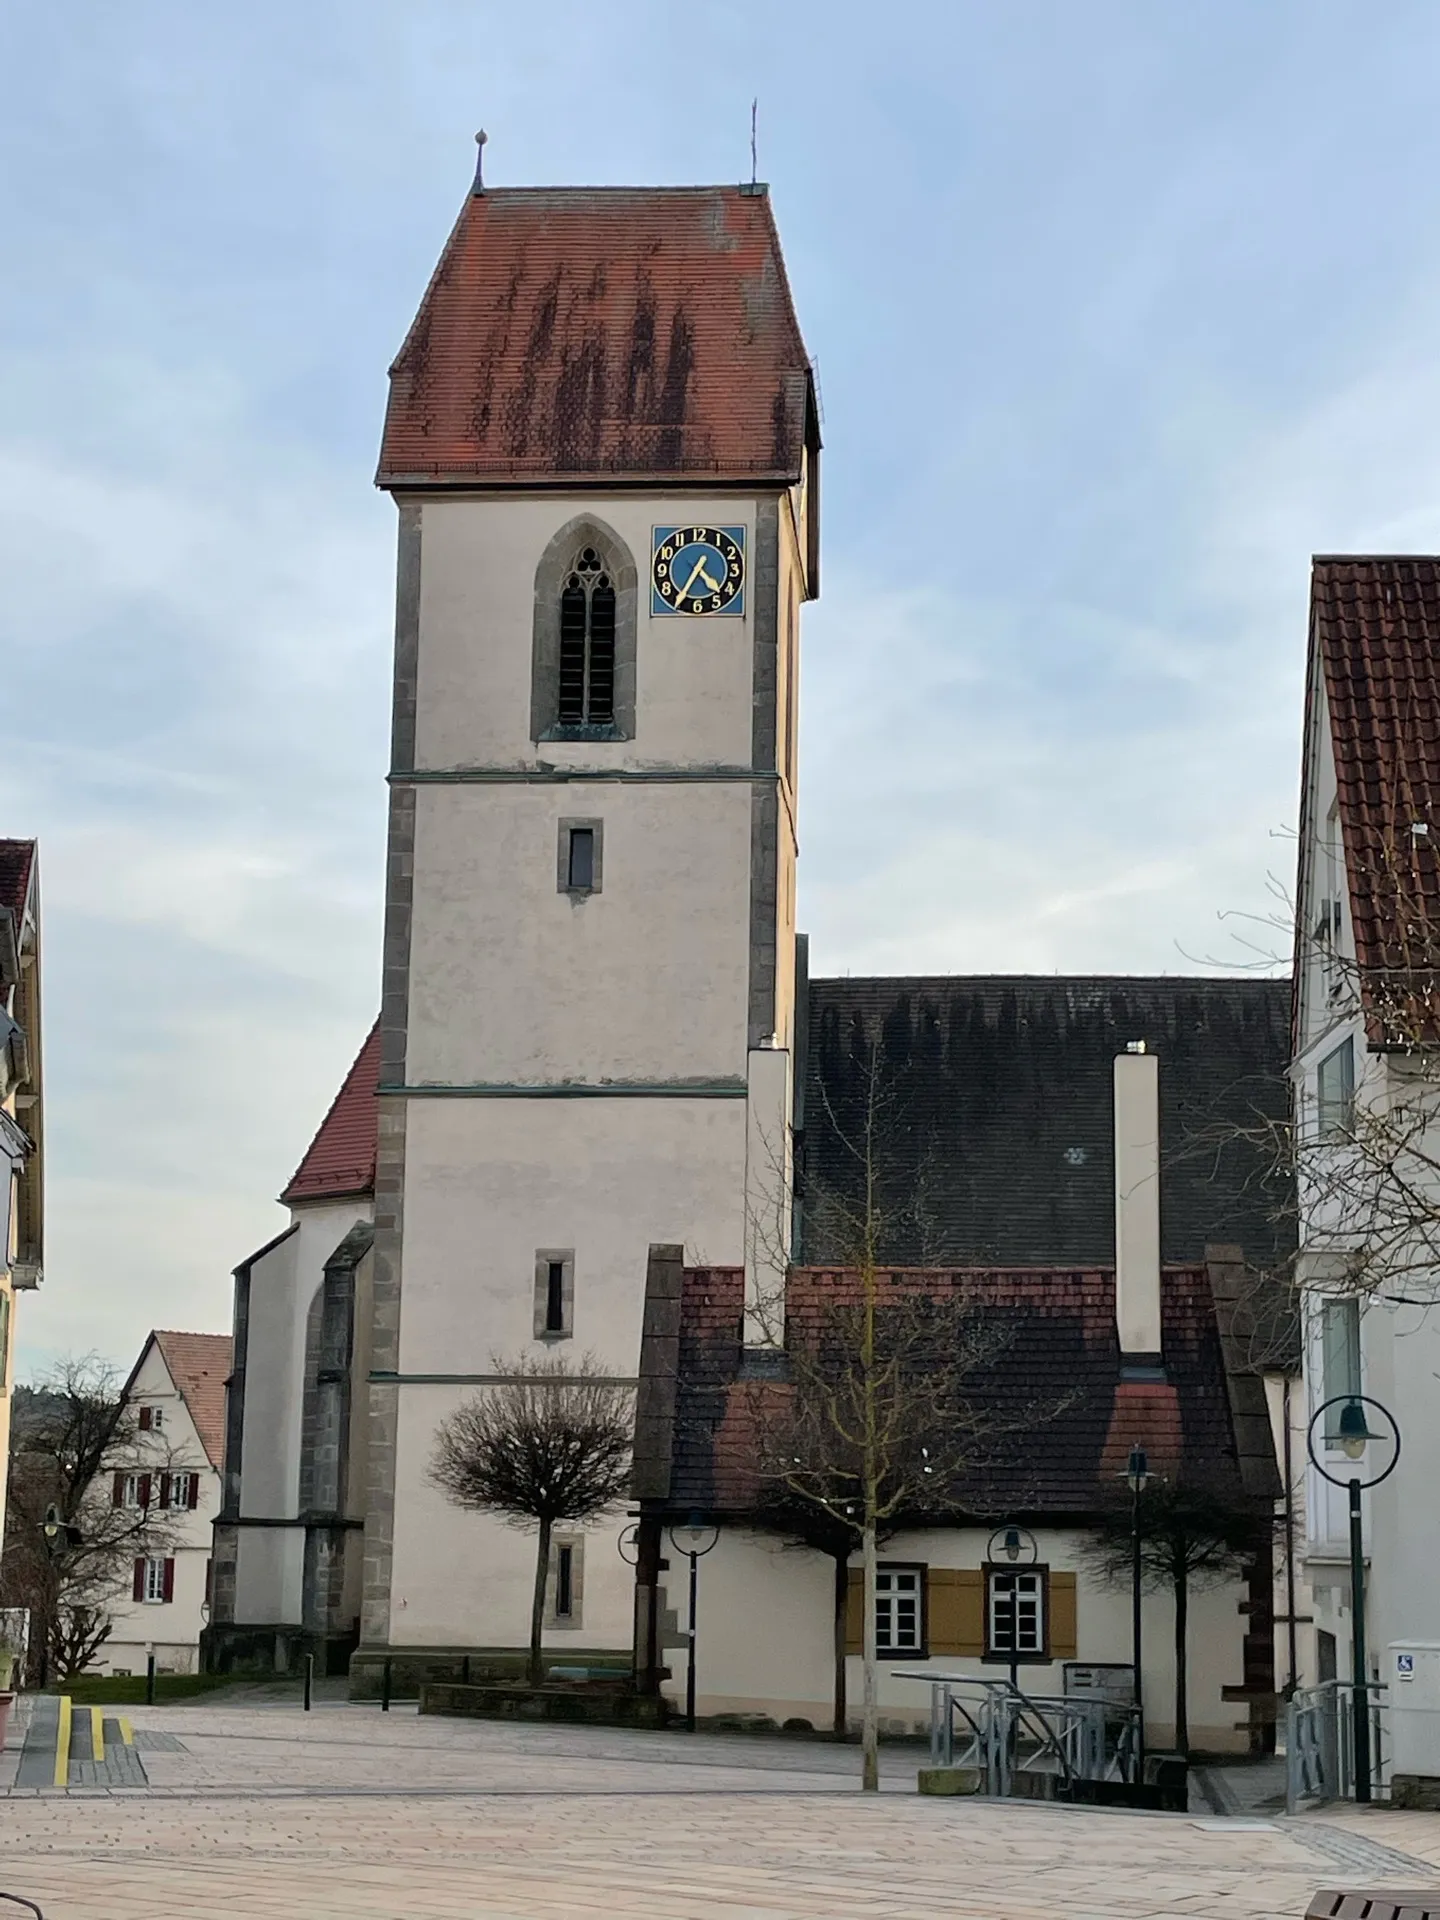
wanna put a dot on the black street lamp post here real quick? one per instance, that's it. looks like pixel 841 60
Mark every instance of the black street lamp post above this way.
pixel 1014 1543
pixel 1137 1473
pixel 1354 1433
pixel 694 1540
pixel 51 1528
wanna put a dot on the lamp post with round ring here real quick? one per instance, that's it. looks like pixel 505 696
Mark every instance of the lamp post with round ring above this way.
pixel 1137 1478
pixel 694 1539
pixel 1018 1547
pixel 1353 1433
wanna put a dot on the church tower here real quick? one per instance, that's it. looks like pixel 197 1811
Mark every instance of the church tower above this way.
pixel 603 444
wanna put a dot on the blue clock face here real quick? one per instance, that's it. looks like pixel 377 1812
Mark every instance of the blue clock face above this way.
pixel 698 570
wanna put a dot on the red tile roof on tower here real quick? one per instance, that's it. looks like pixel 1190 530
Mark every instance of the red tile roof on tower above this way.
pixel 1375 621
pixel 626 331
pixel 17 862
pixel 199 1364
pixel 340 1161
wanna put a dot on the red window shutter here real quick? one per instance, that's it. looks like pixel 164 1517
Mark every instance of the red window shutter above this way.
pixel 164 1479
pixel 145 1419
pixel 117 1491
pixel 169 1578
pixel 192 1499
pixel 139 1592
pixel 144 1489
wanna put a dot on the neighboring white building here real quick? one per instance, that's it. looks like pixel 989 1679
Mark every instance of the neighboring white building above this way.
pixel 1368 917
pixel 177 1392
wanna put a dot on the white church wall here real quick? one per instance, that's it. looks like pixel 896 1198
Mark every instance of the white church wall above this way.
pixel 514 981
pixel 283 1283
pixel 488 1182
pixel 466 1579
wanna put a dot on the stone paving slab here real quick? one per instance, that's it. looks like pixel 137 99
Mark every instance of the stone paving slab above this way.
pixel 358 1815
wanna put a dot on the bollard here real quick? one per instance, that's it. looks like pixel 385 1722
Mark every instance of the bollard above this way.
pixel 385 1689
pixel 465 1671
pixel 309 1678
pixel 149 1679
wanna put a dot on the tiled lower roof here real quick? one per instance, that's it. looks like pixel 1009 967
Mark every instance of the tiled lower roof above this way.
pixel 340 1161
pixel 1056 1387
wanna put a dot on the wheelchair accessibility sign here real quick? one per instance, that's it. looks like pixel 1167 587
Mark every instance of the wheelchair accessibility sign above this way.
pixel 1405 1666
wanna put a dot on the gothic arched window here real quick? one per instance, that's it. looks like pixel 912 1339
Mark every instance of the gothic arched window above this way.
pixel 587 644
pixel 583 685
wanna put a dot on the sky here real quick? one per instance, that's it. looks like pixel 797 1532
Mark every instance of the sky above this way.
pixel 1120 313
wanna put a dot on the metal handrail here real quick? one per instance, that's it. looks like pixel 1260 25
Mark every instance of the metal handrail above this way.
pixel 1319 1741
pixel 1000 1718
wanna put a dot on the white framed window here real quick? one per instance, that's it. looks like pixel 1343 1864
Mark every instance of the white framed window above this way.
pixel 184 1490
pixel 899 1609
pixel 1015 1621
pixel 1335 1094
pixel 1339 1360
pixel 136 1491
pixel 156 1581
pixel 151 1419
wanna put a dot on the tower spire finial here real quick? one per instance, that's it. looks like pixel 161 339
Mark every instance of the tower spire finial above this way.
pixel 480 139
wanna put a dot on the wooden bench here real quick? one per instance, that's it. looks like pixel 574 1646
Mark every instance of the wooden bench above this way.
pixel 1388 1905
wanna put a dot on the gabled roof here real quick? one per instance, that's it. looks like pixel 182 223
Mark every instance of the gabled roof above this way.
pixel 994 1135
pixel 199 1365
pixel 17 863
pixel 1375 629
pixel 1062 1360
pixel 624 331
pixel 340 1161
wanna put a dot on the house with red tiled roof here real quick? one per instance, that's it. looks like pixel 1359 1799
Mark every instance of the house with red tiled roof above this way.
pixel 176 1393
pixel 1366 1084
pixel 22 1132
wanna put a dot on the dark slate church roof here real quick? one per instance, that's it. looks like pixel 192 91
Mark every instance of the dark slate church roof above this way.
pixel 994 1130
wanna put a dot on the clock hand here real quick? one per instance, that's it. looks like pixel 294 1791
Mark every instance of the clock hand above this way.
pixel 695 574
pixel 713 585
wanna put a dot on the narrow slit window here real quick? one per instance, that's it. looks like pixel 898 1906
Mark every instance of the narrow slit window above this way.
pixel 587 644
pixel 555 1296
pixel 564 1583
pixel 581 874
pixel 554 1293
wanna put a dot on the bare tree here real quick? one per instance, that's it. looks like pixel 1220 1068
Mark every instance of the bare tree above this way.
pixel 550 1443
pixel 1190 1538
pixel 76 1448
pixel 876 1420
pixel 1359 1162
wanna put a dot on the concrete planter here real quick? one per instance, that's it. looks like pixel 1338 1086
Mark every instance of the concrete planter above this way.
pixel 593 1705
pixel 7 1701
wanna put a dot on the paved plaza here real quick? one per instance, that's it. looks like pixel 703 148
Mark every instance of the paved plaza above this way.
pixel 264 1811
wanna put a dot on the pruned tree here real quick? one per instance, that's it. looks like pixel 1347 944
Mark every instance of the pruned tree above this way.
pixel 1191 1537
pixel 76 1447
pixel 549 1443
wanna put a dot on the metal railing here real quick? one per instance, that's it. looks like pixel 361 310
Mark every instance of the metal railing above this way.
pixel 1002 1732
pixel 1320 1743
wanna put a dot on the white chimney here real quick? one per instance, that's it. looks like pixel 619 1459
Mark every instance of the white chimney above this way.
pixel 1137 1200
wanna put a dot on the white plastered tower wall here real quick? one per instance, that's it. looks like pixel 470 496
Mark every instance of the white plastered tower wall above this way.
pixel 572 1073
